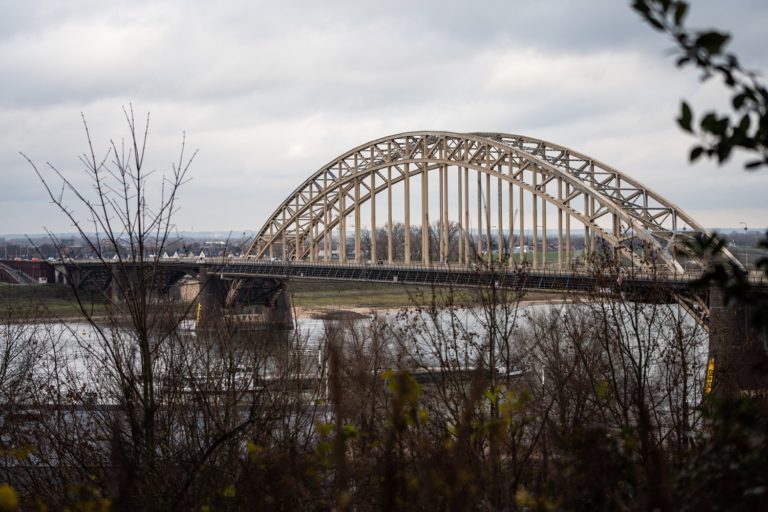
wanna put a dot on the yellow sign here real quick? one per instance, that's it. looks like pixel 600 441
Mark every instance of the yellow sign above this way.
pixel 710 376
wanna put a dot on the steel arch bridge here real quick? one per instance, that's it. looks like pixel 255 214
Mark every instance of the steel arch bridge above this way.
pixel 486 182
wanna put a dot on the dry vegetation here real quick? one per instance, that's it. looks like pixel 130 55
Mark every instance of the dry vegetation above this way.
pixel 464 402
pixel 452 405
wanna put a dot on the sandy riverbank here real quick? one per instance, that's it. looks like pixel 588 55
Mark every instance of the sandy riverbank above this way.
pixel 353 312
pixel 340 312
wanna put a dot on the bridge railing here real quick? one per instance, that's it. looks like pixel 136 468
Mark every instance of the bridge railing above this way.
pixel 219 263
pixel 583 271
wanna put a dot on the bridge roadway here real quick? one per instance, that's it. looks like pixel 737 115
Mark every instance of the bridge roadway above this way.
pixel 441 275
pixel 579 280
pixel 269 278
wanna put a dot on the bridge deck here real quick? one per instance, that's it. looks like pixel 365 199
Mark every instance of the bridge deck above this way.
pixel 579 280
pixel 445 275
pixel 442 275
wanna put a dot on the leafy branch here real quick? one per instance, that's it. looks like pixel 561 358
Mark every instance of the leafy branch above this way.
pixel 746 126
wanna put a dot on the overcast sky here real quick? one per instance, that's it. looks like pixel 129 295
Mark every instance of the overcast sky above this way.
pixel 271 91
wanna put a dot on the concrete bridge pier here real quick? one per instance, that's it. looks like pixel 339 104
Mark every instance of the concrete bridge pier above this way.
pixel 114 287
pixel 60 275
pixel 211 299
pixel 269 297
pixel 738 351
pixel 266 300
pixel 280 310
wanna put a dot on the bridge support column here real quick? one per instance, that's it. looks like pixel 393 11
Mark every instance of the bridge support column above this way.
pixel 60 274
pixel 211 299
pixel 500 215
pixel 488 227
pixel 479 215
pixel 280 312
pixel 425 215
pixel 738 352
pixel 521 206
pixel 114 291
pixel 390 246
pixel 535 220
pixel 407 214
pixel 260 303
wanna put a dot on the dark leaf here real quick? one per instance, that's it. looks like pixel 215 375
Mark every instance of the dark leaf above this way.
pixel 754 164
pixel 680 10
pixel 721 127
pixel 723 151
pixel 708 122
pixel 744 124
pixel 696 153
pixel 738 100
pixel 657 24
pixel 641 6
pixel 686 116
pixel 712 41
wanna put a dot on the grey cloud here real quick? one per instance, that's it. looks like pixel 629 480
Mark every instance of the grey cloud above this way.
pixel 272 91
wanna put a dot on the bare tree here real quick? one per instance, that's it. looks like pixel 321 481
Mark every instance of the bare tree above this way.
pixel 161 406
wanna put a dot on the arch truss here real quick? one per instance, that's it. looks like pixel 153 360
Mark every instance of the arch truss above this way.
pixel 439 197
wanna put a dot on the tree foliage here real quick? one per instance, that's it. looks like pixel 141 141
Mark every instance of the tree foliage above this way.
pixel 746 125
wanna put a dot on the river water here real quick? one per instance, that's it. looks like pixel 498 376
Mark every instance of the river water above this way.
pixel 73 352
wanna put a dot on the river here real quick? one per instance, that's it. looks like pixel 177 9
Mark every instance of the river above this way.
pixel 82 356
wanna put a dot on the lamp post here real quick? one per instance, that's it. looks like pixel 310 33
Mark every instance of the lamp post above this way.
pixel 746 248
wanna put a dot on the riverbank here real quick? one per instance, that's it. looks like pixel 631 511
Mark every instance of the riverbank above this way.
pixel 353 312
pixel 365 296
pixel 315 299
pixel 45 302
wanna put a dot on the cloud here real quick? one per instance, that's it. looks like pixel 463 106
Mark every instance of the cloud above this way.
pixel 596 77
pixel 270 92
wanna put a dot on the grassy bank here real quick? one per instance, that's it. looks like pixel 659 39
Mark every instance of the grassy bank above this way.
pixel 311 293
pixel 44 301
pixel 58 301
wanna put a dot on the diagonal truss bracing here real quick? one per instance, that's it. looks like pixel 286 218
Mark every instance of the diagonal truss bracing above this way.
pixel 532 178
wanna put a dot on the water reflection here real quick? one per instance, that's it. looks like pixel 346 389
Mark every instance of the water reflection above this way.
pixel 81 356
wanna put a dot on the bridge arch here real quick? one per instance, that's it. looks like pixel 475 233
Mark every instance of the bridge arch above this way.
pixel 530 178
